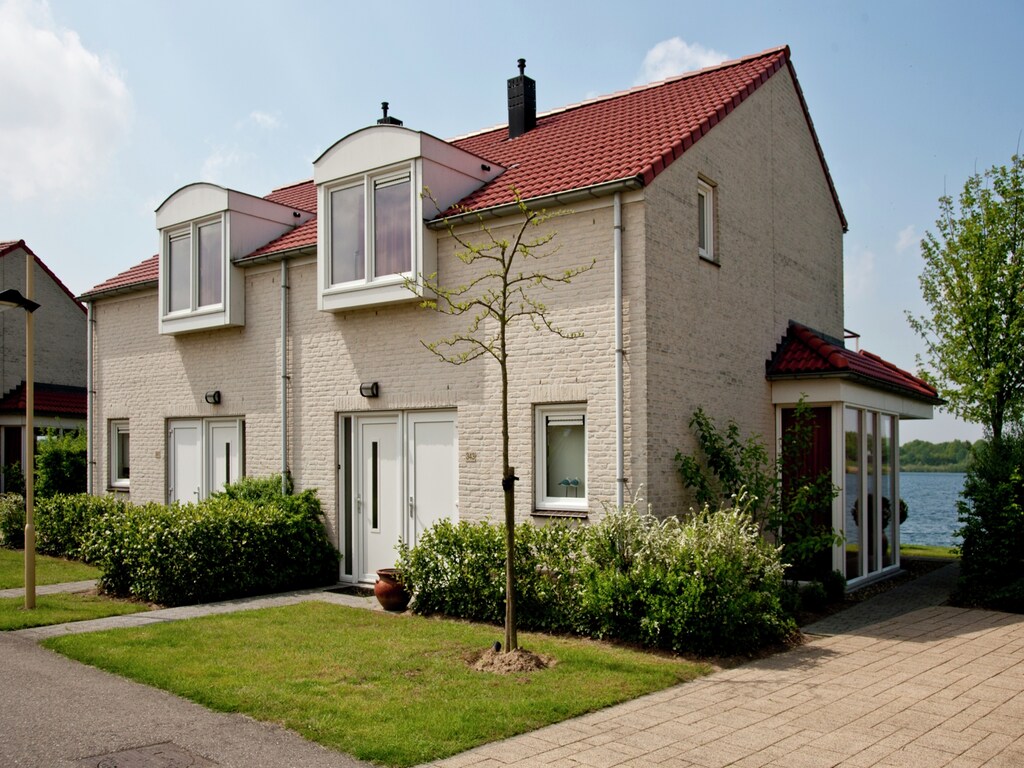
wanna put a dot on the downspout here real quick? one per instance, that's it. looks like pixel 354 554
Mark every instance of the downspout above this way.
pixel 620 459
pixel 90 406
pixel 284 377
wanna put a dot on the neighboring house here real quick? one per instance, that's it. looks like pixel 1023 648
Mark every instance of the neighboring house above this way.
pixel 59 360
pixel 278 332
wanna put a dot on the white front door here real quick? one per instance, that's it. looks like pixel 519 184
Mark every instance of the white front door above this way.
pixel 433 470
pixel 378 492
pixel 185 462
pixel 222 448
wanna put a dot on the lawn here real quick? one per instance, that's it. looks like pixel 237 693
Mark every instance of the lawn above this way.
pixel 49 570
pixel 391 689
pixel 924 550
pixel 62 608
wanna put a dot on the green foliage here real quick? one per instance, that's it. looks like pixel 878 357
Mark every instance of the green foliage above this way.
pixel 218 549
pixel 14 478
pixel 12 521
pixel 973 284
pixel 63 522
pixel 263 490
pixel 922 456
pixel 992 513
pixel 711 584
pixel 61 461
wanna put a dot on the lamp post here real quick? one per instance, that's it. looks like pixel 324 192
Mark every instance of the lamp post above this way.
pixel 8 300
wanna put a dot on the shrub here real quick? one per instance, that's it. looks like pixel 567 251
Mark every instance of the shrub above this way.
pixel 259 489
pixel 63 521
pixel 12 521
pixel 14 478
pixel 61 463
pixel 218 549
pixel 992 513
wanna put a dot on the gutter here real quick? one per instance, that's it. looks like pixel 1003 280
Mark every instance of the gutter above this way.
pixel 284 377
pixel 620 352
pixel 858 379
pixel 90 410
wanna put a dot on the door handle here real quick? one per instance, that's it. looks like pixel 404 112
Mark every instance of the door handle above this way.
pixel 412 507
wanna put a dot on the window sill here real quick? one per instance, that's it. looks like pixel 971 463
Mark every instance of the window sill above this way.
pixel 712 261
pixel 387 291
pixel 200 320
pixel 572 514
pixel 118 489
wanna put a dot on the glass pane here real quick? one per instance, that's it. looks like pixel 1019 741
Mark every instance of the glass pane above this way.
pixel 348 258
pixel 852 493
pixel 179 269
pixel 122 455
pixel 890 504
pixel 702 221
pixel 566 456
pixel 871 474
pixel 392 244
pixel 211 264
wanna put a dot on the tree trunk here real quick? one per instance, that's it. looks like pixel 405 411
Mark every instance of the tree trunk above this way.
pixel 508 483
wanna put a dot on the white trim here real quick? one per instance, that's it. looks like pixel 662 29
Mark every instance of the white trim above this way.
pixel 568 411
pixel 117 428
pixel 706 206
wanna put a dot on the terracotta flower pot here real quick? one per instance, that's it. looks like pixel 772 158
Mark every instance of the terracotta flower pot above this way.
pixel 390 592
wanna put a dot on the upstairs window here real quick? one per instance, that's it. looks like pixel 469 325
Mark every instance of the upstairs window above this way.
pixel 705 221
pixel 195 267
pixel 370 230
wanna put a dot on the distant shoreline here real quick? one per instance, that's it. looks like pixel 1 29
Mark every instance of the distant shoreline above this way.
pixel 958 468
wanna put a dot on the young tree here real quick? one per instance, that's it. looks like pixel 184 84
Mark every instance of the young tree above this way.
pixel 501 291
pixel 973 283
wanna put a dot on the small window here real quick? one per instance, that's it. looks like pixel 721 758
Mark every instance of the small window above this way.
pixel 562 458
pixel 120 454
pixel 705 221
pixel 195 267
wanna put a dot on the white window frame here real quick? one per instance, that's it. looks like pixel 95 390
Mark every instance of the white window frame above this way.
pixel 543 502
pixel 369 289
pixel 191 230
pixel 117 428
pixel 706 206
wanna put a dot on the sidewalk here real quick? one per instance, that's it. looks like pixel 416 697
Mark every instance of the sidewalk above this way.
pixel 894 684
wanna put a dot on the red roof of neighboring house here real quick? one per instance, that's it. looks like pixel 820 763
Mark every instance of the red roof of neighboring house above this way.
pixel 12 245
pixel 627 136
pixel 806 353
pixel 50 400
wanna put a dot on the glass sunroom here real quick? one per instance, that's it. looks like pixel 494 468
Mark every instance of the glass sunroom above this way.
pixel 857 401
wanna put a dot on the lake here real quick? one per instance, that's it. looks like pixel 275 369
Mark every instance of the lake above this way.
pixel 931 500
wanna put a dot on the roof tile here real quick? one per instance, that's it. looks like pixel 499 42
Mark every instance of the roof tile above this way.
pixel 50 399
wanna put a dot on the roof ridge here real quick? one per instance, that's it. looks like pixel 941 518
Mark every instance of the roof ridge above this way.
pixel 8 247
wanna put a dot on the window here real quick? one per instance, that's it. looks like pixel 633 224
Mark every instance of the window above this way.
pixel 195 267
pixel 705 221
pixel 561 437
pixel 120 454
pixel 370 230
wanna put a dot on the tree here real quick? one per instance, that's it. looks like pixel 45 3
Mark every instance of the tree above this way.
pixel 973 283
pixel 500 292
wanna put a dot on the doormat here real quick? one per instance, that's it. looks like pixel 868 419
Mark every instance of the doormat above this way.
pixel 353 590
pixel 165 755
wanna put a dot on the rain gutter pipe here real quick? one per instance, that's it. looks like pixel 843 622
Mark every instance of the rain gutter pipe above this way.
pixel 620 352
pixel 284 377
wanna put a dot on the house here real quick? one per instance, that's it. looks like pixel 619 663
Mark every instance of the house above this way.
pixel 284 332
pixel 59 355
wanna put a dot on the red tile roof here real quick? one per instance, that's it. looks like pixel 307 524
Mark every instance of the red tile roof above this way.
pixel 12 245
pixel 50 400
pixel 139 276
pixel 630 135
pixel 806 353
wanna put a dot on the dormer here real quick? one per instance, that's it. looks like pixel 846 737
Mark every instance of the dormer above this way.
pixel 204 229
pixel 371 231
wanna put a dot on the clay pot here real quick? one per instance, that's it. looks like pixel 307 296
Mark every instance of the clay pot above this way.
pixel 390 592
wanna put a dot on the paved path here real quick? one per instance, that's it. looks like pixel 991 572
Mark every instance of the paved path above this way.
pixel 51 589
pixel 932 687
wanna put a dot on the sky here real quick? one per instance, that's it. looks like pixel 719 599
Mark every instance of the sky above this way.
pixel 109 106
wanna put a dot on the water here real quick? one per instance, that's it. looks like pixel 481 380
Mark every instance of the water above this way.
pixel 931 499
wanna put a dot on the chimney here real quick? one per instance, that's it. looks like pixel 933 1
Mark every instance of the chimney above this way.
pixel 522 103
pixel 386 120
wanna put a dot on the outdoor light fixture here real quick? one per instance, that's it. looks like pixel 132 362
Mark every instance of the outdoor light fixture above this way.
pixel 369 390
pixel 213 398
pixel 10 299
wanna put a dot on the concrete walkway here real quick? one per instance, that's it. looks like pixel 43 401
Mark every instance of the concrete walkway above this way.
pixel 896 684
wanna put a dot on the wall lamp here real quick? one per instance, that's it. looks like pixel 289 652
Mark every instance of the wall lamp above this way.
pixel 369 390
pixel 213 398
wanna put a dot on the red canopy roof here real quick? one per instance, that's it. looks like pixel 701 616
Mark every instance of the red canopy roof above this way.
pixel 50 400
pixel 806 353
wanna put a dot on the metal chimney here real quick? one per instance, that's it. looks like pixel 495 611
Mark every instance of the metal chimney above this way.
pixel 522 103
pixel 386 120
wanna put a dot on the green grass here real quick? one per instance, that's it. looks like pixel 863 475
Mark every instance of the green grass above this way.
pixel 924 550
pixel 62 608
pixel 391 689
pixel 49 570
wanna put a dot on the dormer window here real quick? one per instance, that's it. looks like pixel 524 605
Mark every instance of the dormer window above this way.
pixel 195 267
pixel 373 239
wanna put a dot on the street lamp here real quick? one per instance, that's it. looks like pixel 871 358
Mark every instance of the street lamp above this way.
pixel 10 299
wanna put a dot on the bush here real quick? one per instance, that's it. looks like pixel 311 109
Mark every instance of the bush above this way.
pixel 12 521
pixel 14 478
pixel 61 461
pixel 218 549
pixel 992 513
pixel 259 489
pixel 63 522
pixel 709 585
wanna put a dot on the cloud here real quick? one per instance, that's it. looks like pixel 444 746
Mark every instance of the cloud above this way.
pixel 64 110
pixel 907 238
pixel 859 273
pixel 218 164
pixel 675 56
pixel 264 119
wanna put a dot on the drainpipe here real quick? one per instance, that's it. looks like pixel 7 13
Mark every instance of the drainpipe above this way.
pixel 90 407
pixel 620 470
pixel 284 377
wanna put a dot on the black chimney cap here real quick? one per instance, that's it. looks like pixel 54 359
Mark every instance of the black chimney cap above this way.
pixel 386 120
